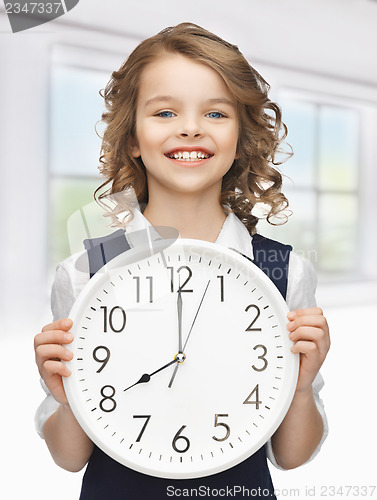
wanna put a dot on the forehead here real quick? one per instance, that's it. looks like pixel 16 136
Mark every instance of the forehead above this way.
pixel 183 78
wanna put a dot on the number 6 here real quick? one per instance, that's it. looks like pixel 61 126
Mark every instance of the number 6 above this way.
pixel 175 439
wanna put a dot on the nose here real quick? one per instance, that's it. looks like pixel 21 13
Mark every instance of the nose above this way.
pixel 190 127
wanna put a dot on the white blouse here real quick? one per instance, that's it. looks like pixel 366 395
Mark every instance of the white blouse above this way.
pixel 70 279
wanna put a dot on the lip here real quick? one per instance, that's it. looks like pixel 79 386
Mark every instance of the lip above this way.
pixel 189 149
pixel 189 164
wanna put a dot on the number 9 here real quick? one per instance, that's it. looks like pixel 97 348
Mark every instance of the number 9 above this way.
pixel 102 360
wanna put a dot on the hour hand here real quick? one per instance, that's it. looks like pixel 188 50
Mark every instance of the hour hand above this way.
pixel 146 376
pixel 173 376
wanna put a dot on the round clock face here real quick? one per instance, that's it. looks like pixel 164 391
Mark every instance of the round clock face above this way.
pixel 182 365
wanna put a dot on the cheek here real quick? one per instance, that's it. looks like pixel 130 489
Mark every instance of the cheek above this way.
pixel 141 143
pixel 150 138
pixel 230 142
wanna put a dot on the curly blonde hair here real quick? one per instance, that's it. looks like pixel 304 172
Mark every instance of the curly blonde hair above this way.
pixel 253 177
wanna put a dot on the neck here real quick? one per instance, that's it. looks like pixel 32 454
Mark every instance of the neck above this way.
pixel 193 216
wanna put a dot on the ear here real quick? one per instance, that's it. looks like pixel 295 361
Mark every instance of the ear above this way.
pixel 134 147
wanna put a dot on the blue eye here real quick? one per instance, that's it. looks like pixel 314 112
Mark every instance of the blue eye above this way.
pixel 215 114
pixel 165 114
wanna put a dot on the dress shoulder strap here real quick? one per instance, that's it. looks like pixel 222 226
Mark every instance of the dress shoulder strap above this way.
pixel 272 257
pixel 102 250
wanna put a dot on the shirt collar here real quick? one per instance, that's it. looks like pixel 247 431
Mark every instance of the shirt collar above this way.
pixel 233 234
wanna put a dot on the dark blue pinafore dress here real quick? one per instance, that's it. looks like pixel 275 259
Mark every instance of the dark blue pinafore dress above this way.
pixel 106 479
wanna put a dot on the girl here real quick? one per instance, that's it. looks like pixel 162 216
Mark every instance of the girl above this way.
pixel 191 130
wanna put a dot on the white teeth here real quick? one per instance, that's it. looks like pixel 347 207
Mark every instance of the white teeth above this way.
pixel 187 156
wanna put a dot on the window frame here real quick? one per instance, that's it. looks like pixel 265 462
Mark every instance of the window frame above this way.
pixel 320 100
pixel 83 59
pixel 368 268
pixel 362 288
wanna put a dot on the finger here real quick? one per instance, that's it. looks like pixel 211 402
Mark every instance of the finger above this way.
pixel 61 324
pixel 52 367
pixel 307 333
pixel 52 351
pixel 312 334
pixel 306 311
pixel 306 347
pixel 314 320
pixel 52 337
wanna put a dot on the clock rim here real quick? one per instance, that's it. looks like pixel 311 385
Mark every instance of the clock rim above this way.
pixel 128 258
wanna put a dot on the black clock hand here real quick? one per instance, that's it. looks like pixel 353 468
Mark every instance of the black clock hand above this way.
pixel 146 377
pixel 188 336
pixel 179 309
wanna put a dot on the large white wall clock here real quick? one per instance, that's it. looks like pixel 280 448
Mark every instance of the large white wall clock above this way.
pixel 182 365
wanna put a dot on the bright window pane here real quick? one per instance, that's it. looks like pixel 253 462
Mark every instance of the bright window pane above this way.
pixel 338 148
pixel 300 229
pixel 76 107
pixel 300 118
pixel 337 245
pixel 68 195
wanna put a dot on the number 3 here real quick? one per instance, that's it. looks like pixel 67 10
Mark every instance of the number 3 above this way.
pixel 262 356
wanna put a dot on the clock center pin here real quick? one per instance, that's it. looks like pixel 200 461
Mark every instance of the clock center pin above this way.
pixel 180 357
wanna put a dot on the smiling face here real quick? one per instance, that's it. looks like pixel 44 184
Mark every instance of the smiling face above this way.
pixel 186 126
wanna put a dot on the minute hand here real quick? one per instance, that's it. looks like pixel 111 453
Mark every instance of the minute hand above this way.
pixel 188 336
pixel 179 307
pixel 196 315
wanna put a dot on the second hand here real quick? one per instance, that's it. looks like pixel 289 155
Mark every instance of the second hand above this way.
pixel 188 336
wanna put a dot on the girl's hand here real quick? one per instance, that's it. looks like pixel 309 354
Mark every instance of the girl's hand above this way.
pixel 310 332
pixel 49 354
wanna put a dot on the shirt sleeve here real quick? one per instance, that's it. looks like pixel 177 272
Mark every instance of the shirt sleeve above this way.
pixel 62 294
pixel 62 299
pixel 302 283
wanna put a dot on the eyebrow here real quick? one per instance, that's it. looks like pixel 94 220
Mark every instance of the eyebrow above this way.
pixel 168 98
